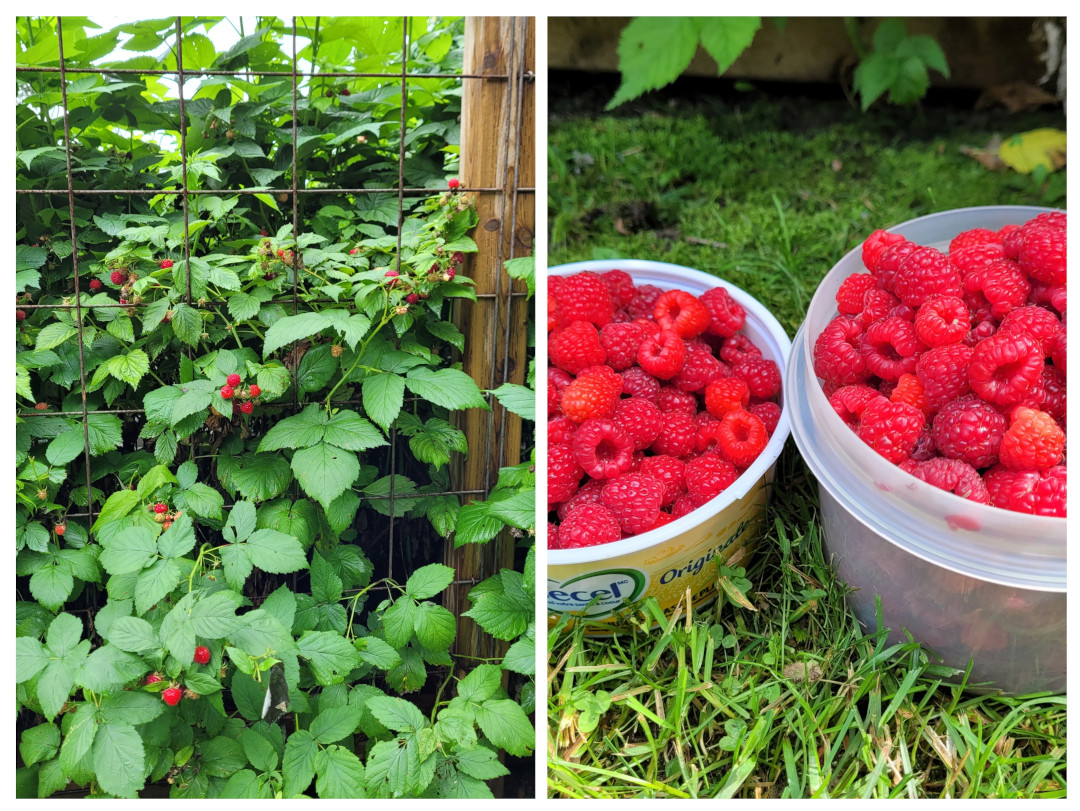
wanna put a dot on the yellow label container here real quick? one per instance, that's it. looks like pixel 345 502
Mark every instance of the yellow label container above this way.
pixel 599 582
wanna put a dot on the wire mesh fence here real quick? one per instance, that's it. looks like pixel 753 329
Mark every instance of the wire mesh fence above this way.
pixel 81 187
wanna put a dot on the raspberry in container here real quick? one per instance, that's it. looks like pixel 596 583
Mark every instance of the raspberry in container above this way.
pixel 908 504
pixel 599 581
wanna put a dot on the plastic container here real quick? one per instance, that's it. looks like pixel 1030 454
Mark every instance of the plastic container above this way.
pixel 598 581
pixel 967 580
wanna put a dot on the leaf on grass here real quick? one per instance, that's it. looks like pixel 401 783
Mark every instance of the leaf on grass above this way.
pixel 1026 151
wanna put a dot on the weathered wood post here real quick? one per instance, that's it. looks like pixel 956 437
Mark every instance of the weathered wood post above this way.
pixel 497 155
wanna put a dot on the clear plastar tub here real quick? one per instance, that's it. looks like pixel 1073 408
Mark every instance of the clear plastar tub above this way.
pixel 969 581
pixel 598 582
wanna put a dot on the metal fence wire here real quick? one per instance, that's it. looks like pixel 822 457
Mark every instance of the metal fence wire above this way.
pixel 508 193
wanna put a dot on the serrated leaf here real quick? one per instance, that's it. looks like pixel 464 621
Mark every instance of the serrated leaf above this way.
pixel 118 759
pixel 340 774
pixel 154 584
pixel 517 399
pixel 427 581
pixel 325 471
pixel 132 634
pixel 333 724
pixel 396 713
pixel 506 725
pixel 435 626
pixel 398 622
pixel 449 388
pixel 475 525
pixel 51 586
pixel 276 552
pixel 350 431
pixel 653 52
pixel 294 328
pixel 298 764
pixel 330 656
pixel 383 396
pixel 377 653
pixel 481 763
pixel 299 431
pixel 131 550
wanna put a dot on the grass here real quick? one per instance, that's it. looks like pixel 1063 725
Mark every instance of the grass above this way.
pixel 777 693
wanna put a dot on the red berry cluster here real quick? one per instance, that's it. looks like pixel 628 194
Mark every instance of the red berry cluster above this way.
pixel 163 515
pixel 951 364
pixel 234 387
pixel 656 404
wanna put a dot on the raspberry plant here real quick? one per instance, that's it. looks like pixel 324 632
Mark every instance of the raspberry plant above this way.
pixel 243 382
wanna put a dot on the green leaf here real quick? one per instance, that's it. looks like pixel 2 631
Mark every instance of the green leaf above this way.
pixel 377 653
pixel 325 471
pixel 214 616
pixel 260 752
pixel 480 684
pixel 299 431
pixel 391 768
pixel 383 396
pixel 276 552
pixel 340 774
pixel 504 613
pixel 506 725
pixel 118 759
pixel 874 75
pixel 237 565
pixel 54 334
pixel 725 38
pixel 342 511
pixel 244 785
pixel 653 52
pixel 399 620
pixel 330 656
pixel 154 584
pixel 80 736
pixel 521 656
pixel 204 501
pixel 446 331
pixel 132 707
pixel 118 505
pixel 222 756
pixel 298 764
pixel 316 368
pixel 336 723
pixel 396 713
pixel 258 476
pixel 517 510
pixel 66 446
pixel 107 669
pixel 523 268
pixel 457 785
pixel 187 324
pixel 129 368
pixel 517 399
pixel 427 581
pixel 349 430
pixel 133 634
pixel 475 524
pixel 243 306
pixel 51 586
pixel 435 626
pixel 481 763
pixel 131 550
pixel 39 743
pixel 294 328
pixel 449 388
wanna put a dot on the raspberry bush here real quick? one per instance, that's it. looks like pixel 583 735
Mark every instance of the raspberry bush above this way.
pixel 244 382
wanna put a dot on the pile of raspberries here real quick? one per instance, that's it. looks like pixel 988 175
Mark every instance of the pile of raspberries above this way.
pixel 656 404
pixel 952 365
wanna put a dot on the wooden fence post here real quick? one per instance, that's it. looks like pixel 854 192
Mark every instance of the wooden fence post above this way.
pixel 497 152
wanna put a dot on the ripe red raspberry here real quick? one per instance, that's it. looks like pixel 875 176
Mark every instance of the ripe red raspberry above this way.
pixel 202 655
pixel 972 257
pixel 1028 491
pixel 1058 347
pixel 588 524
pixel 226 391
pixel 166 264
pixel 634 499
pixel 1054 396
pixel 1038 322
pixel 726 395
pixel 247 407
pixel 153 678
pixel 837 358
pixel 390 274
pixel 761 374
pixel 254 390
pixel 738 348
pixel 769 414
pixel 1048 219
pixel 639 383
pixel 874 246
pixel 741 437
pixel 117 277
pixel 233 380
pixel 662 357
pixel 171 696
pixel 60 528
pixel 849 403
pixel 589 492
pixel 95 285
pixel 925 273
pixel 877 304
pixel 1034 441
pixel 644 302
pixel 953 476
pixel 1043 254
pixel 851 297
pixel 699 369
pixel 621 286
pixel 583 297
pixel 671 400
pixel 1004 367
pixel 576 347
pixel 20 315
pixel 909 390
pixel 942 321
pixel 560 430
pixel 726 316
pixel 975 236
pixel 161 507
pixel 708 476
pixel 620 343
pixel 641 419
pixel 944 371
pixel 412 298
pixel 593 394
pixel 678 437
pixel 553 536
pixel 668 470
pixel 889 348
pixel 453 183
pixel 1002 285
pixel 602 448
pixel 564 473
pixel 682 313
pixel 889 263
pixel 891 429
